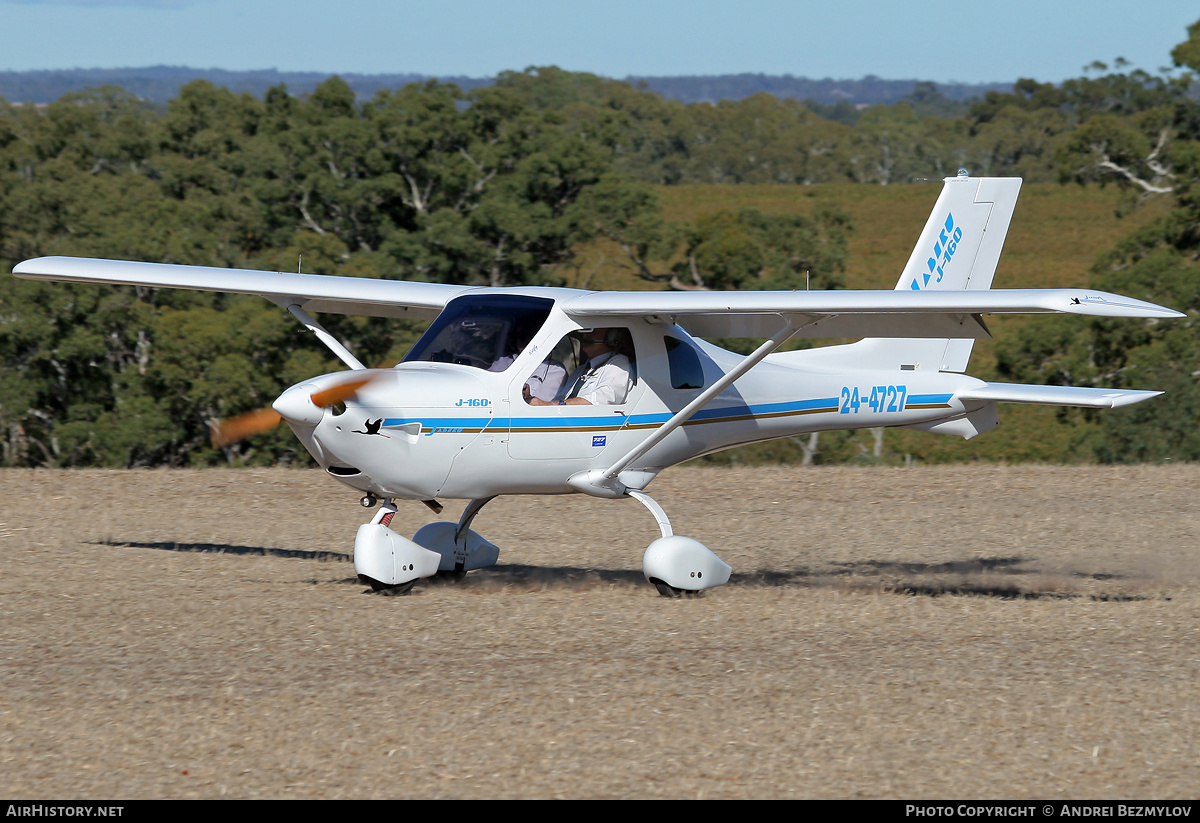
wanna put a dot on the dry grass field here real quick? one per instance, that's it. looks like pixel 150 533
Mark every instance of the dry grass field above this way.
pixel 939 632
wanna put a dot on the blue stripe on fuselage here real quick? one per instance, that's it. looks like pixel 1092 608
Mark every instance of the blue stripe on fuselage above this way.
pixel 615 421
pixel 741 412
pixel 927 399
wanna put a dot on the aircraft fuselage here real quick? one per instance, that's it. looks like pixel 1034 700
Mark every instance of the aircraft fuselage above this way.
pixel 444 429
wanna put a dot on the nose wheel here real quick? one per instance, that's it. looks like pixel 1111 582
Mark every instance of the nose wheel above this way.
pixel 389 562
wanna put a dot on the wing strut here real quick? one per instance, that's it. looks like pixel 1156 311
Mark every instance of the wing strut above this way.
pixel 331 342
pixel 749 362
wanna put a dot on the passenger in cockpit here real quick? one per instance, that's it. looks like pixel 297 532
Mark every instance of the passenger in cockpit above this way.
pixel 547 378
pixel 545 382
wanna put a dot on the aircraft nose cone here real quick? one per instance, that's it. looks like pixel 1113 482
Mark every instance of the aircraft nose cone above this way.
pixel 296 406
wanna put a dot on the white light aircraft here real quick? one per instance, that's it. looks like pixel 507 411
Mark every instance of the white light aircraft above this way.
pixel 494 398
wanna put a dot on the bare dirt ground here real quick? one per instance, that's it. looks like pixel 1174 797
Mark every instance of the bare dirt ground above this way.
pixel 961 632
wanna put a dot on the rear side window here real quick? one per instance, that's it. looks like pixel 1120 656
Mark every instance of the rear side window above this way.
pixel 684 364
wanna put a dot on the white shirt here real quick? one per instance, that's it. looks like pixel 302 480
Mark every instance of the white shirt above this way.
pixel 546 381
pixel 608 381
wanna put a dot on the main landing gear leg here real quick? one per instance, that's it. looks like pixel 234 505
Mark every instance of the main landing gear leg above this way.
pixel 460 549
pixel 678 565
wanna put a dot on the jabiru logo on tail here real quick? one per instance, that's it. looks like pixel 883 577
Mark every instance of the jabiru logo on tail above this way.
pixel 943 249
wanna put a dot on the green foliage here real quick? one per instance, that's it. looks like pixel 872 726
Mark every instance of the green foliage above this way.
pixel 424 183
pixel 1144 134
pixel 1187 53
pixel 747 249
pixel 1028 132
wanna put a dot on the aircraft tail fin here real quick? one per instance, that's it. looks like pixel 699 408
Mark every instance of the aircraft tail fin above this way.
pixel 962 240
pixel 958 249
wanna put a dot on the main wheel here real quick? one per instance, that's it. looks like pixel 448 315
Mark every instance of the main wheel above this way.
pixel 387 590
pixel 392 591
pixel 670 591
pixel 667 591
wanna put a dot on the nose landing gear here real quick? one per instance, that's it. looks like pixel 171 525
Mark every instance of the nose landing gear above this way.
pixel 391 564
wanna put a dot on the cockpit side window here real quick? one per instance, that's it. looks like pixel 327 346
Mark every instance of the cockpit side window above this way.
pixel 485 332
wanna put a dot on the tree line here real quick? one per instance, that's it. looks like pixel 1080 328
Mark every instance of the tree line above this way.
pixel 425 183
pixel 503 185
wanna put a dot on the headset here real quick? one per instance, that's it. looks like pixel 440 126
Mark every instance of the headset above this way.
pixel 613 338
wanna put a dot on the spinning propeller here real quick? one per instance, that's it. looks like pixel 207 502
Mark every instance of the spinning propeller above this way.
pixel 299 404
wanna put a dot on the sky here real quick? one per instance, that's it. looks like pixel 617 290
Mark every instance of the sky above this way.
pixel 964 41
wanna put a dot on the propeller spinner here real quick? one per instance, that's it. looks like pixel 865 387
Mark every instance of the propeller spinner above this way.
pixel 299 404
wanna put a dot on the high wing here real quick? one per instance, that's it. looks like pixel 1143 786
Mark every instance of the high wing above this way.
pixel 891 313
pixel 309 292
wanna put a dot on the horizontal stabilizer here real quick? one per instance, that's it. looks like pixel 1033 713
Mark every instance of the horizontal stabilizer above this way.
pixel 1056 395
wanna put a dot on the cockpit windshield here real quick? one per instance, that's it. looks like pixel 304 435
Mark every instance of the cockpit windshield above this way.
pixel 484 331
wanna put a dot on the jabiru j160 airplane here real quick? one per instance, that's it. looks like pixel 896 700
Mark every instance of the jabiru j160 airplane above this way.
pixel 556 391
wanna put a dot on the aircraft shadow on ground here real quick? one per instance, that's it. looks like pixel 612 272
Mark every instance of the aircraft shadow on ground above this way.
pixel 226 548
pixel 980 576
pixel 954 577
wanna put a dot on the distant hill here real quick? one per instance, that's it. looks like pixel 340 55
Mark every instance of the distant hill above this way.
pixel 867 90
pixel 159 84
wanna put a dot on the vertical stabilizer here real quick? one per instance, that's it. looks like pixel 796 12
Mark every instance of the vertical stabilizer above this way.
pixel 961 242
pixel 958 249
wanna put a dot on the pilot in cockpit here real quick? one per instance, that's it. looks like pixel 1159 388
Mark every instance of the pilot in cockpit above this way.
pixel 604 378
